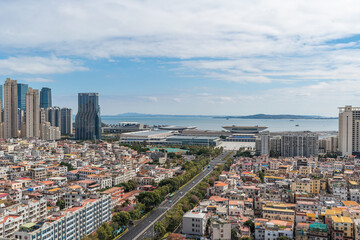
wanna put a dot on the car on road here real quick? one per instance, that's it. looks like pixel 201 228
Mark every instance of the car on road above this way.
pixel 170 201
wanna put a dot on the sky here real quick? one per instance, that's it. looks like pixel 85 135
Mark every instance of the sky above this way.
pixel 211 57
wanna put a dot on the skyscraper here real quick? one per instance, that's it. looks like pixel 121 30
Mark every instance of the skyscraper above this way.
pixel 53 115
pixel 32 114
pixel 10 109
pixel 21 92
pixel 1 96
pixel 88 121
pixel 66 121
pixel 45 98
pixel 349 130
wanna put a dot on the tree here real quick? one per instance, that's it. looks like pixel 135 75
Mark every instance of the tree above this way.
pixel 104 232
pixel 60 203
pixel 68 165
pixel 149 199
pixel 135 214
pixel 128 186
pixel 234 234
pixel 194 199
pixel 125 203
pixel 159 228
pixel 122 218
pixel 132 184
pixel 261 176
pixel 250 224
pixel 171 155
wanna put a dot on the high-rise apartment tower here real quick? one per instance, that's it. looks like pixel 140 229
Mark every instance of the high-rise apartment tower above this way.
pixel 11 124
pixel 349 130
pixel 32 114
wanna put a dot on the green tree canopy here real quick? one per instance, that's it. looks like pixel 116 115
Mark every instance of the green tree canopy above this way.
pixel 250 224
pixel 122 218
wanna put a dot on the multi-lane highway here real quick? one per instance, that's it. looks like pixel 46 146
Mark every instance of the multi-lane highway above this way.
pixel 144 228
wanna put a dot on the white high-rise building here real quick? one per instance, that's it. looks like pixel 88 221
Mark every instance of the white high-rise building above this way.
pixel 265 137
pixel 32 113
pixel 11 124
pixel 349 130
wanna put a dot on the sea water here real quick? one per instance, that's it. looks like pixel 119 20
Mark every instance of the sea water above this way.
pixel 211 123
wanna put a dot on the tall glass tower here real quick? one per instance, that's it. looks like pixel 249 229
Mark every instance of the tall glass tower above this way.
pixel 21 91
pixel 88 121
pixel 45 98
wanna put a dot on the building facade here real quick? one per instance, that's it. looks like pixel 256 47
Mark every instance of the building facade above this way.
pixel 349 130
pixel 11 124
pixel 45 98
pixel 299 144
pixel 74 224
pixel 32 114
pixel 53 116
pixel 88 121
pixel 21 91
pixel 66 121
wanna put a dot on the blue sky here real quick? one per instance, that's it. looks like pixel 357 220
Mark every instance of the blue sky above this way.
pixel 188 57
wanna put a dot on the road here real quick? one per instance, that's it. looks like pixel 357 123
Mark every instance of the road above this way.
pixel 144 228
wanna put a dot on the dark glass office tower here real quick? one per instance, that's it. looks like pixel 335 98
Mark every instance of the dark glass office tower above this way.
pixel 45 98
pixel 88 121
pixel 21 91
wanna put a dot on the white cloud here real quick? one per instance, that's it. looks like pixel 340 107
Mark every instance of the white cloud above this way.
pixel 150 98
pixel 44 80
pixel 261 42
pixel 39 65
pixel 185 29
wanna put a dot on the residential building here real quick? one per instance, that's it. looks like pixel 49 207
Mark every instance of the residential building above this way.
pixel 11 125
pixel 342 228
pixel 32 114
pixel 278 228
pixel 74 223
pixel 305 144
pixel 194 223
pixel 306 185
pixel 349 130
pixel 48 132
pixel 53 116
pixel 220 229
pixel 277 213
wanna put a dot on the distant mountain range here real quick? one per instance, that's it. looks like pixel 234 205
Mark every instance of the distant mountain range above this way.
pixel 278 116
pixel 255 116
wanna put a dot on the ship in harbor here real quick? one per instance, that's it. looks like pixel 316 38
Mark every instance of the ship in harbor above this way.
pixel 245 129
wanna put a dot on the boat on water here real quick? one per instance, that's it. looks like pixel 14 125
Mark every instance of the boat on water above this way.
pixel 297 125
